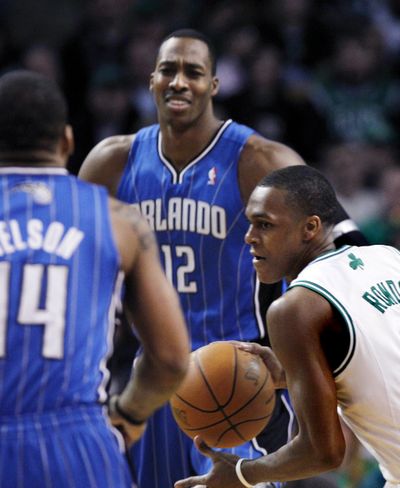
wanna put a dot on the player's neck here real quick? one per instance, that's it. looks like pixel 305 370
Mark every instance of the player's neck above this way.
pixel 311 252
pixel 180 145
pixel 39 158
pixel 39 162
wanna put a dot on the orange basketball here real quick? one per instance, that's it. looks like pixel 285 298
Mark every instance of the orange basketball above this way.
pixel 227 395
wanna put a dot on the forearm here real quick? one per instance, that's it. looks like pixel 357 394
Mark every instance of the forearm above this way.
pixel 151 385
pixel 294 461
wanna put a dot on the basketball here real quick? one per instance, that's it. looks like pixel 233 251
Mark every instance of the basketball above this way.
pixel 227 395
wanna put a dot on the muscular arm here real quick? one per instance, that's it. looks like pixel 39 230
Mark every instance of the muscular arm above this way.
pixel 156 313
pixel 259 157
pixel 295 323
pixel 105 163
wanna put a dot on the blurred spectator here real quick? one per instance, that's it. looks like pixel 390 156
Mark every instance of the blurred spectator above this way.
pixel 386 15
pixel 139 62
pixel 355 92
pixel 238 46
pixel 43 59
pixel 346 168
pixel 384 228
pixel 8 52
pixel 266 103
pixel 217 19
pixel 295 27
pixel 106 112
pixel 41 21
pixel 101 38
pixel 265 108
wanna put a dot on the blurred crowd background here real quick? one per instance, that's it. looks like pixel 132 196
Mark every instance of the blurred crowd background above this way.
pixel 322 76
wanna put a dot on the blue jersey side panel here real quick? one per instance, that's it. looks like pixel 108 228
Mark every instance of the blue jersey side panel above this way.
pixel 58 270
pixel 199 219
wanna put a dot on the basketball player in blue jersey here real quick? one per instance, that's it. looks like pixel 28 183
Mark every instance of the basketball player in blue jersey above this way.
pixel 64 248
pixel 335 333
pixel 191 175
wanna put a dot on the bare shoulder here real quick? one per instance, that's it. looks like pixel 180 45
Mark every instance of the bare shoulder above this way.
pixel 299 313
pixel 271 154
pixel 105 163
pixel 259 157
pixel 132 232
pixel 133 222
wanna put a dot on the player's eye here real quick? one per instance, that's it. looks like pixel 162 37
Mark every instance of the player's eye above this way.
pixel 265 225
pixel 166 71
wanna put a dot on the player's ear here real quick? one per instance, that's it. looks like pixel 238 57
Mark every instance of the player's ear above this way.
pixel 215 86
pixel 312 227
pixel 67 141
pixel 151 83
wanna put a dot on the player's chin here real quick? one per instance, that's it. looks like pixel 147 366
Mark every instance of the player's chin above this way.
pixel 264 273
pixel 179 119
pixel 267 277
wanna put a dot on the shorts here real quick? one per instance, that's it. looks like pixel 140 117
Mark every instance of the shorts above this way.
pixel 70 447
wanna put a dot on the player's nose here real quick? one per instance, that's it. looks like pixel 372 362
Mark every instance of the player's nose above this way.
pixel 249 237
pixel 179 81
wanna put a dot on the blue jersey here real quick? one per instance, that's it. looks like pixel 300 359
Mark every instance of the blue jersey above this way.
pixel 198 215
pixel 58 270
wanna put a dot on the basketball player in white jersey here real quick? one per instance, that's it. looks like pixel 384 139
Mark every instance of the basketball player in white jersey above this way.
pixel 335 332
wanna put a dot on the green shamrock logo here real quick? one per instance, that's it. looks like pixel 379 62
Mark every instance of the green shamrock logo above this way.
pixel 355 262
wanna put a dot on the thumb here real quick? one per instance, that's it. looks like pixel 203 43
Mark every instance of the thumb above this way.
pixel 202 447
pixel 193 482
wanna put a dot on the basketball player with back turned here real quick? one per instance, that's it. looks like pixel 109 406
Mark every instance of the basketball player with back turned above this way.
pixel 191 175
pixel 336 333
pixel 64 247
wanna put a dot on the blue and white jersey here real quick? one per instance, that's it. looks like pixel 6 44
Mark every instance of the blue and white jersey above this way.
pixel 59 267
pixel 198 216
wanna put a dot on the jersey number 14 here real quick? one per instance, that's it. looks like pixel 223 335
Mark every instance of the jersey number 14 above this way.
pixel 51 317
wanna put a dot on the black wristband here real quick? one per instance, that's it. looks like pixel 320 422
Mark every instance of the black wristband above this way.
pixel 126 416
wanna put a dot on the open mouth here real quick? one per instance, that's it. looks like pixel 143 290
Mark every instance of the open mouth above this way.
pixel 256 257
pixel 177 103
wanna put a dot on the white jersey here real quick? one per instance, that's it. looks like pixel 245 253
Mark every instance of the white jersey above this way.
pixel 363 283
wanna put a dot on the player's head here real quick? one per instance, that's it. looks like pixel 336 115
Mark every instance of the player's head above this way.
pixel 291 212
pixel 184 82
pixel 33 114
pixel 195 34
pixel 307 190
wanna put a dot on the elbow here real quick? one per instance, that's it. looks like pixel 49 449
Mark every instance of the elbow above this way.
pixel 173 363
pixel 323 452
pixel 329 458
pixel 177 365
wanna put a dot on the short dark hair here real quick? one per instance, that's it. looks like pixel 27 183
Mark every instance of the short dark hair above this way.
pixel 33 112
pixel 195 34
pixel 308 191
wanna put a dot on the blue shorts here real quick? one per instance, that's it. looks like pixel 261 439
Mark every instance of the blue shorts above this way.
pixel 71 447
